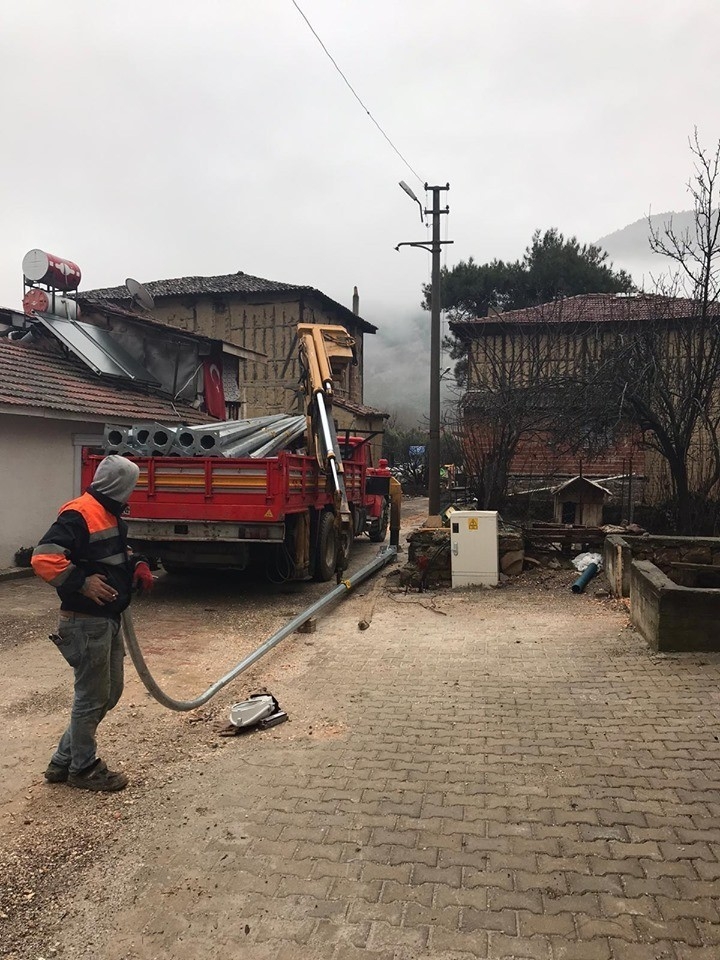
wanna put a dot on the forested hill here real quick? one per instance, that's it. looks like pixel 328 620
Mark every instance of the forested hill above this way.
pixel 629 248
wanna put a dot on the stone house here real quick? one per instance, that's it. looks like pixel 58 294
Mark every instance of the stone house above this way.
pixel 256 320
pixel 530 353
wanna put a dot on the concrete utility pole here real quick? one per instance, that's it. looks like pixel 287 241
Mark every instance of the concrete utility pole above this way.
pixel 435 249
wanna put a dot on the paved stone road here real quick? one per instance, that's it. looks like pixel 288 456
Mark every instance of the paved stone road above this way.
pixel 514 776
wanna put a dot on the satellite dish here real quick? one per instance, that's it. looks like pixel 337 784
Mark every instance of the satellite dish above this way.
pixel 139 294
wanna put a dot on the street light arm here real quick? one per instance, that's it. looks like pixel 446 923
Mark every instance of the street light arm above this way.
pixel 423 246
pixel 417 244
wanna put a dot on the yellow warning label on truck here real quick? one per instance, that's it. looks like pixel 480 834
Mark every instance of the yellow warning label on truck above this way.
pixel 268 514
pixel 472 524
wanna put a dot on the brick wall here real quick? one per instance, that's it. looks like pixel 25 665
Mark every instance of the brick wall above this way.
pixel 540 458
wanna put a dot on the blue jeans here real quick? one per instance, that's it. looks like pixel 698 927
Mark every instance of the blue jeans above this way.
pixel 93 646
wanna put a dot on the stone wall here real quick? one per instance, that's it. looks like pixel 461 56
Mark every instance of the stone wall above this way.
pixel 620 551
pixel 429 557
pixel 617 557
pixel 669 616
pixel 696 575
pixel 267 326
pixel 647 584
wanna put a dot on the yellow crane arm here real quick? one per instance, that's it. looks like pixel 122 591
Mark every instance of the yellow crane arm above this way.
pixel 326 350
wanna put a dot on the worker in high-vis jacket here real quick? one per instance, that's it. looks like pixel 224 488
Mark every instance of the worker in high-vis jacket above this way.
pixel 85 556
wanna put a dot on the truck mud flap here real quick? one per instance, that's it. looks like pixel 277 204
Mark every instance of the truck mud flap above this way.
pixel 377 486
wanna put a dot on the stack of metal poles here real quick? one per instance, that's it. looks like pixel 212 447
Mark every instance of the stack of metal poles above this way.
pixel 255 437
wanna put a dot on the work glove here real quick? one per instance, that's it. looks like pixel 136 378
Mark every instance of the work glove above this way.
pixel 143 579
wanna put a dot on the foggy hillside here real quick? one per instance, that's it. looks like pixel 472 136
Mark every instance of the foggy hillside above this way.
pixel 629 248
pixel 397 371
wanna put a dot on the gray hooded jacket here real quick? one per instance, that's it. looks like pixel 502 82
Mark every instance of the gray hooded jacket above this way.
pixel 116 478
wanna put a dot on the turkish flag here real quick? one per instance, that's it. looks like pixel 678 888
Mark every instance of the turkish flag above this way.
pixel 214 393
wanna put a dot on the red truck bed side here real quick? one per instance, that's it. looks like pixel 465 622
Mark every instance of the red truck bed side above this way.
pixel 219 489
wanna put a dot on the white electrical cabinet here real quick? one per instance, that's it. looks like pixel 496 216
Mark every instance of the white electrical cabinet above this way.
pixel 474 548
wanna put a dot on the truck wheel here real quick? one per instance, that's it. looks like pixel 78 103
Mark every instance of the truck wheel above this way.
pixel 326 548
pixel 379 529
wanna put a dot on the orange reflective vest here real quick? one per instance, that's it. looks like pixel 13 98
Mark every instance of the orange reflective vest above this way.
pixel 87 538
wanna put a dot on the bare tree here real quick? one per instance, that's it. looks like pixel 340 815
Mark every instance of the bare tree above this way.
pixel 526 385
pixel 664 371
pixel 652 365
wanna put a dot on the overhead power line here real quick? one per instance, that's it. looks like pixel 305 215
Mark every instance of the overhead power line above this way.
pixel 354 92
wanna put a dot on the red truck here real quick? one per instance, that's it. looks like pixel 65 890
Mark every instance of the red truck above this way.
pixel 295 513
pixel 191 512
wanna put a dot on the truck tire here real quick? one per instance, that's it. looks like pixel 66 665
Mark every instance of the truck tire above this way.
pixel 379 528
pixel 326 548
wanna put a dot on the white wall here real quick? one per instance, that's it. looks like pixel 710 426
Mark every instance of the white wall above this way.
pixel 39 471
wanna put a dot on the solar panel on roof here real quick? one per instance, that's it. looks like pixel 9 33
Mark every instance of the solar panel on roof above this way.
pixel 97 349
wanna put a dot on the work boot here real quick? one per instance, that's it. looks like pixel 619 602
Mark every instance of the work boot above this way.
pixel 98 778
pixel 55 773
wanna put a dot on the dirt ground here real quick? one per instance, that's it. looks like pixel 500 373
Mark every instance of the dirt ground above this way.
pixel 132 875
pixel 192 632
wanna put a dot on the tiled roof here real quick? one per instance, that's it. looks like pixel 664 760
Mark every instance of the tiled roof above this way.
pixel 358 409
pixel 240 283
pixel 191 286
pixel 32 377
pixel 592 308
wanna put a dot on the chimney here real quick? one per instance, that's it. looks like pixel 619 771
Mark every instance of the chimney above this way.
pixel 356 302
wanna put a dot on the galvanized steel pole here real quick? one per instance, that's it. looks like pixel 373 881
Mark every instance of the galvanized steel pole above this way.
pixel 434 451
pixel 434 248
pixel 385 556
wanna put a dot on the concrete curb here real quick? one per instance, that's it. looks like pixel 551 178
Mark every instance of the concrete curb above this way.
pixel 16 573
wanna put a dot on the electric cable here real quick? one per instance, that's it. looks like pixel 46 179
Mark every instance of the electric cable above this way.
pixel 354 92
pixel 191 377
pixel 283 553
pixel 444 547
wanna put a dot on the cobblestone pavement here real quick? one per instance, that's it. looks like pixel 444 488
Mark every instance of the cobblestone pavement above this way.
pixel 511 774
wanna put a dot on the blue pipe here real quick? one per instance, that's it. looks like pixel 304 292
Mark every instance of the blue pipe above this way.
pixel 591 570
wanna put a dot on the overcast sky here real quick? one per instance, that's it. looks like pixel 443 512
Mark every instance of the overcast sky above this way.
pixel 161 138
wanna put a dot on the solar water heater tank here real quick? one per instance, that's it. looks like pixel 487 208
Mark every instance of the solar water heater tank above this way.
pixel 474 548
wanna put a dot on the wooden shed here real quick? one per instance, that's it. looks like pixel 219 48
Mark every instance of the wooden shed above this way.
pixel 579 502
